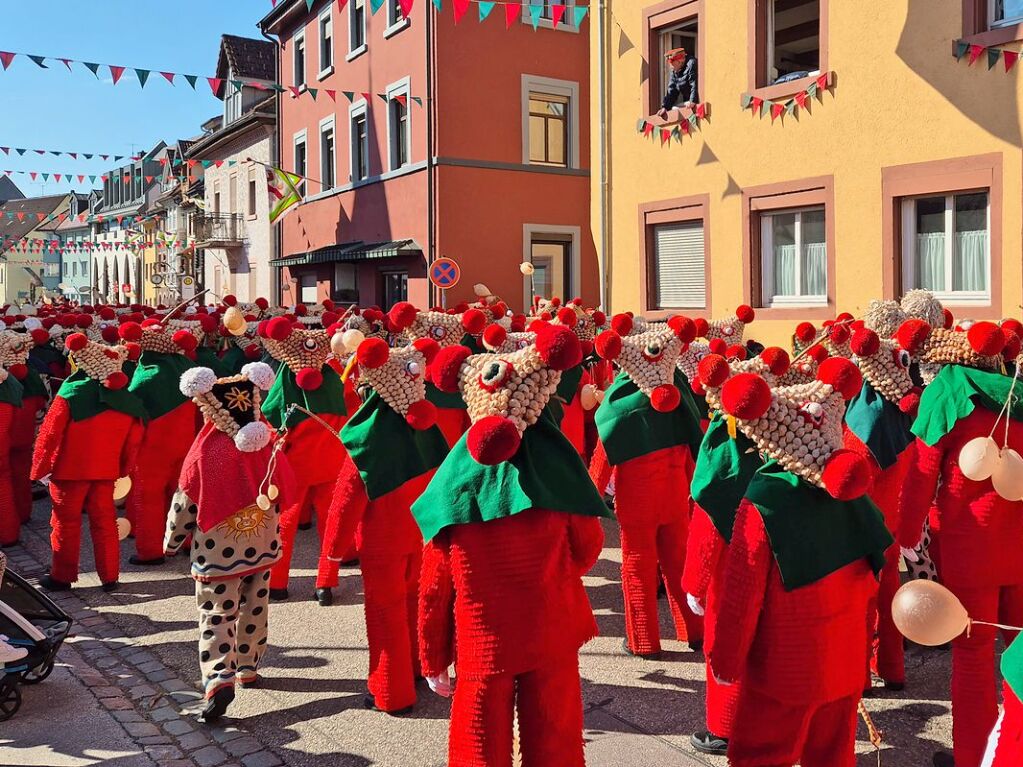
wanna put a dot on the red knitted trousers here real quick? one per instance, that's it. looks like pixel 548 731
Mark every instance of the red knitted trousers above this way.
pixel 391 586
pixel 69 498
pixel 549 704
pixel 772 733
pixel 317 496
pixel 974 692
pixel 21 485
pixel 153 484
pixel 1005 747
pixel 722 702
pixel 886 651
pixel 10 521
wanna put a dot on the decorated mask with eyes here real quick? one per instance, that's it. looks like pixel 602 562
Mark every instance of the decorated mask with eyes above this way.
pixel 175 336
pixel 101 362
pixel 369 322
pixel 14 349
pixel 440 327
pixel 979 346
pixel 497 339
pixel 304 351
pixel 885 365
pixel 803 368
pixel 398 375
pixel 731 330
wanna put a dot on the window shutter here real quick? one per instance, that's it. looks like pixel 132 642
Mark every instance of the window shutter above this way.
pixel 680 266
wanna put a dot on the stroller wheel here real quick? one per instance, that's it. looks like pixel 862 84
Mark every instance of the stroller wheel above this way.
pixel 10 700
pixel 38 674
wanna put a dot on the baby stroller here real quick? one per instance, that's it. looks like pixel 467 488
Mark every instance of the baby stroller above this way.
pixel 30 621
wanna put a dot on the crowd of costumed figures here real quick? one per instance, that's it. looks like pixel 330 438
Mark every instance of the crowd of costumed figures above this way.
pixel 467 460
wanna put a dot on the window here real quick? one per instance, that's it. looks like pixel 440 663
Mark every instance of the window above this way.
pixel 678 279
pixel 308 288
pixel 793 257
pixel 326 42
pixel 346 285
pixel 298 59
pixel 359 143
pixel 548 129
pixel 398 134
pixel 216 198
pixel 395 14
pixel 232 102
pixel 300 160
pixel 252 193
pixel 793 40
pixel 1004 12
pixel 395 288
pixel 232 191
pixel 356 27
pixel 327 163
pixel 946 245
pixel 551 257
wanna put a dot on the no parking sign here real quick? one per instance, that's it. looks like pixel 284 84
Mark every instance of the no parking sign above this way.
pixel 445 273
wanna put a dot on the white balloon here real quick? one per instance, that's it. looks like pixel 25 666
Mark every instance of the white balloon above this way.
pixel 978 457
pixel 1007 476
pixel 588 397
pixel 352 338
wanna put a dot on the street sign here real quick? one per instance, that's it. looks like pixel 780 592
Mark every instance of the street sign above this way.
pixel 445 273
pixel 187 287
pixel 156 278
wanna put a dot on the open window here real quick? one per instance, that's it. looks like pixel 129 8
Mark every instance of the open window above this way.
pixel 1005 12
pixel 668 27
pixel 793 48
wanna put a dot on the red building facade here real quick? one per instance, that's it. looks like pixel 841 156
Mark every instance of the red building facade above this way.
pixel 469 141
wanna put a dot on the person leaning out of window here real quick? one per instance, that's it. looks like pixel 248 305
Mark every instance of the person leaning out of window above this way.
pixel 682 90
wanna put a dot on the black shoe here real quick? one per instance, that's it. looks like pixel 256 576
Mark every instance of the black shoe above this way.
pixel 50 583
pixel 108 587
pixel 325 597
pixel 217 705
pixel 646 656
pixel 943 759
pixel 135 560
pixel 369 702
pixel 349 562
pixel 278 595
pixel 707 742
pixel 306 526
pixel 695 645
pixel 894 686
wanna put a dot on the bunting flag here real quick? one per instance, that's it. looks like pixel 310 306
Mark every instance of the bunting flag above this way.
pixel 284 194
pixel 788 107
pixel 972 53
pixel 686 126
pixel 21 151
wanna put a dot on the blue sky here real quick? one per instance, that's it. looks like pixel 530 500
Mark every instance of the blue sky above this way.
pixel 73 111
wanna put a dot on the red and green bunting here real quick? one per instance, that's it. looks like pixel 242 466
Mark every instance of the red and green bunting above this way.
pixel 687 126
pixel 80 177
pixel 21 152
pixel 788 107
pixel 561 13
pixel 970 52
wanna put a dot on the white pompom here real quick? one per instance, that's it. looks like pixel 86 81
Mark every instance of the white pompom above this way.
pixel 190 310
pixel 252 437
pixel 196 381
pixel 33 323
pixel 526 268
pixel 261 374
pixel 56 330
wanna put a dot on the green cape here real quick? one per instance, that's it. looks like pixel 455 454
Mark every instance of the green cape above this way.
pixel 1012 666
pixel 233 360
pixel 724 468
pixel 812 534
pixel 386 450
pixel 207 358
pixel 328 399
pixel 629 427
pixel 87 397
pixel 879 425
pixel 12 392
pixel 444 399
pixel 545 473
pixel 156 381
pixel 33 384
pixel 954 394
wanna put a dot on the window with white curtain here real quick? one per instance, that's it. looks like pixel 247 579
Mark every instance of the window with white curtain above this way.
pixel 794 257
pixel 946 246
pixel 679 270
pixel 1005 12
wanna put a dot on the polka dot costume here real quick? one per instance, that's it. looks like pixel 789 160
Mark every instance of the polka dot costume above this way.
pixel 232 628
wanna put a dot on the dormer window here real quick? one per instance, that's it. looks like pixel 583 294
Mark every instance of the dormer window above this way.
pixel 232 101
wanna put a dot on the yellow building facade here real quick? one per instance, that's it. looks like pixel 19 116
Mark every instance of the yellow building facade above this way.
pixel 840 152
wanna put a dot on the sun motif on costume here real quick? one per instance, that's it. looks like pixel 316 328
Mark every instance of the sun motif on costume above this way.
pixel 246 523
pixel 238 399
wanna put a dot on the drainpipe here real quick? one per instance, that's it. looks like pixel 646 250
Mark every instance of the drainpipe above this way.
pixel 278 234
pixel 431 165
pixel 605 201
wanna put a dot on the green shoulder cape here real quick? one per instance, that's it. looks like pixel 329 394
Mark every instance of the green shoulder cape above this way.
pixel 234 360
pixel 444 399
pixel 954 394
pixel 545 473
pixel 879 425
pixel 1012 666
pixel 87 397
pixel 328 399
pixel 207 358
pixel 33 384
pixel 386 450
pixel 156 381
pixel 724 469
pixel 812 534
pixel 12 392
pixel 629 427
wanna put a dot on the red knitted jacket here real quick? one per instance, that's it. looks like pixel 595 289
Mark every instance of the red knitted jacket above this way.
pixel 887 482
pixel 102 447
pixel 508 593
pixel 705 552
pixel 314 453
pixel 978 533
pixel 802 646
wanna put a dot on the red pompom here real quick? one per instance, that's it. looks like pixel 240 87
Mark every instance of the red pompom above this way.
pixel 493 440
pixel 427 347
pixel 83 321
pixel 494 336
pixel 106 313
pixel 446 370
pixel 817 353
pixel 713 370
pixel 608 345
pixel 208 323
pixel 910 402
pixel 328 318
pixel 262 303
pixel 776 359
pixel 555 302
pixel 473 320
pixel 843 317
pixel 702 327
pixel 301 310
pixel 130 331
pixel 421 415
pixel 806 332
pixel 839 334
pixel 736 352
pixel 577 301
pixel 912 334
pixel 309 379
pixel 40 336
pixel 847 475
pixel 746 396
pixel 697 386
pixel 498 310
pixel 373 352
pixel 683 327
pixel 1013 326
pixel 327 304
pixel 986 338
pixel 843 376
pixel 18 370
pixel 1013 344
pixel 621 324
pixel 745 314
pixel 518 323
pixel 230 300
pixel 278 328
pixel 402 315
pixel 76 342
pixel 586 347
pixel 116 380
pixel 536 326
pixel 185 340
pixel 665 398
pixel 559 347
pixel 718 346
pixel 567 317
pixel 252 352
pixel 599 318
pixel 148 310
pixel 949 318
pixel 865 343
pixel 110 334
pixel 134 351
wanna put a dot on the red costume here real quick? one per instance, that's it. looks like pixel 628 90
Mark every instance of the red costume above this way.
pixel 1005 746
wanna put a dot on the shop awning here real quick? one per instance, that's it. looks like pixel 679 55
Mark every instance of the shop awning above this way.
pixel 351 251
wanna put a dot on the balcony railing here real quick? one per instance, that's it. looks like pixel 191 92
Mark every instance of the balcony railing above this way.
pixel 218 230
